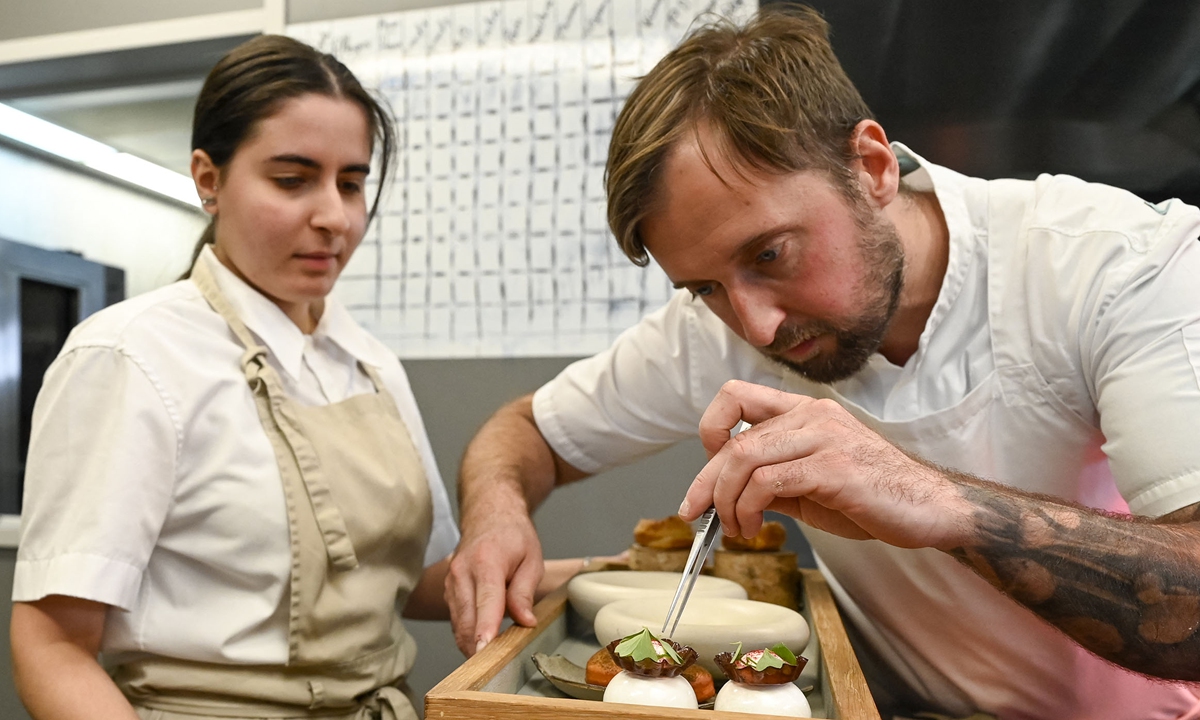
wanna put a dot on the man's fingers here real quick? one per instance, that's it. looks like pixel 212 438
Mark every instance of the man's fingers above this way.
pixel 831 521
pixel 736 401
pixel 761 466
pixel 740 462
pixel 699 496
pixel 522 588
pixel 489 612
pixel 460 596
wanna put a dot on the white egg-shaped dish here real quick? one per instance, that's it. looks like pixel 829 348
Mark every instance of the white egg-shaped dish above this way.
pixel 589 592
pixel 711 625
pixel 785 699
pixel 630 689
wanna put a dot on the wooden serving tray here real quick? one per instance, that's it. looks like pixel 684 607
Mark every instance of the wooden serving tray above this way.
pixel 487 685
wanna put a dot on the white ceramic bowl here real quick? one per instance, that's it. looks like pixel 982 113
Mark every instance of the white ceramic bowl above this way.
pixel 711 625
pixel 589 592
pixel 672 692
pixel 785 699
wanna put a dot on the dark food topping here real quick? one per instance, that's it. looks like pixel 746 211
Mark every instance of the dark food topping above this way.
pixel 647 655
pixel 774 666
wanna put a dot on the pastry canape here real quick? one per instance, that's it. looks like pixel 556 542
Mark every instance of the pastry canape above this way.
pixel 651 672
pixel 762 682
pixel 661 544
pixel 760 564
pixel 601 669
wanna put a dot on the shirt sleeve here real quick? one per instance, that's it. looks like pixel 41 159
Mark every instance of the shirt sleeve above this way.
pixel 1143 348
pixel 645 392
pixel 443 536
pixel 99 479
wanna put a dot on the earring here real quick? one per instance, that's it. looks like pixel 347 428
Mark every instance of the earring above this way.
pixel 206 202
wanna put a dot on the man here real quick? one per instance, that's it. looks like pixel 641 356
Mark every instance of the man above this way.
pixel 903 331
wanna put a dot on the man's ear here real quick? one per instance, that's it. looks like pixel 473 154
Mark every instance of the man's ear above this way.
pixel 206 175
pixel 876 165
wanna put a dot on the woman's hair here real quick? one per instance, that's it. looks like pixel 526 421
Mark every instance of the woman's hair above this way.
pixel 250 83
pixel 772 93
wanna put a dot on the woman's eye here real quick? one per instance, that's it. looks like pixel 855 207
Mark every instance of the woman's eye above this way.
pixel 702 291
pixel 767 256
pixel 351 187
pixel 289 181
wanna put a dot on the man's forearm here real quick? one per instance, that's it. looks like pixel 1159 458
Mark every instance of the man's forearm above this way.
pixel 508 466
pixel 1128 589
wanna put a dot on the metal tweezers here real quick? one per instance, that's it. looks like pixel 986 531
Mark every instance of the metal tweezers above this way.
pixel 706 536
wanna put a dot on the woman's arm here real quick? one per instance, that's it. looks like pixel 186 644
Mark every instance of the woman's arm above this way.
pixel 428 601
pixel 55 641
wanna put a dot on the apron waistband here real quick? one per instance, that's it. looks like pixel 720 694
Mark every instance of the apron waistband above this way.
pixel 386 703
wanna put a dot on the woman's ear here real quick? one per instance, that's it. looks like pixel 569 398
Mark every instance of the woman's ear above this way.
pixel 206 176
pixel 876 165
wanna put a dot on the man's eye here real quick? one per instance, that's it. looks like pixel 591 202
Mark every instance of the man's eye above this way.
pixel 702 291
pixel 767 256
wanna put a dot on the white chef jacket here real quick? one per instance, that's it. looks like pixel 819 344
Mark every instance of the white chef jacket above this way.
pixel 1069 316
pixel 152 487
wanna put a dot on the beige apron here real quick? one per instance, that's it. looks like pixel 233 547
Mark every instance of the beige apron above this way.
pixel 359 516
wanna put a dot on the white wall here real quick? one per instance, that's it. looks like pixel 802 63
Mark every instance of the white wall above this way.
pixel 50 206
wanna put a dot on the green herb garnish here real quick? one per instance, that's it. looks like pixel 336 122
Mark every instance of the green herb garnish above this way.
pixel 788 656
pixel 640 646
pixel 775 657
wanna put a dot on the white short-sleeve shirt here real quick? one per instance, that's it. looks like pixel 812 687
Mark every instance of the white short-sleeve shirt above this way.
pixel 152 487
pixel 1109 305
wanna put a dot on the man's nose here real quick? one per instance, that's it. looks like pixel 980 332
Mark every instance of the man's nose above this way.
pixel 758 314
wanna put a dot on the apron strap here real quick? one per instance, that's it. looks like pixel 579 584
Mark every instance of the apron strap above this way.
pixel 272 402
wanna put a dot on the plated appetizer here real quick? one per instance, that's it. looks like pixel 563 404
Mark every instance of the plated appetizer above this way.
pixel 762 681
pixel 651 672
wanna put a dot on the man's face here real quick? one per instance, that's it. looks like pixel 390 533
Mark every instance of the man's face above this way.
pixel 806 275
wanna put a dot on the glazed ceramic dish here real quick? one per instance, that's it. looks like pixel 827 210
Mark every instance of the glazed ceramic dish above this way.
pixel 711 625
pixel 589 592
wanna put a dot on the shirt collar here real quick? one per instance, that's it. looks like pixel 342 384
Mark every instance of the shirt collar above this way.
pixel 264 318
pixel 951 189
pixel 338 326
pixel 277 331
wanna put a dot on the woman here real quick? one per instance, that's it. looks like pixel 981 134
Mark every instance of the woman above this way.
pixel 230 491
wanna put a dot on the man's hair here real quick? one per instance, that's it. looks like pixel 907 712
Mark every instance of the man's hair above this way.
pixel 772 92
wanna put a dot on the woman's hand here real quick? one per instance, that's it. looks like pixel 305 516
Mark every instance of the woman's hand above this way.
pixel 560 571
pixel 55 641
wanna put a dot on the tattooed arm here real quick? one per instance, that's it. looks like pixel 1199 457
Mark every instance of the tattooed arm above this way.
pixel 1127 589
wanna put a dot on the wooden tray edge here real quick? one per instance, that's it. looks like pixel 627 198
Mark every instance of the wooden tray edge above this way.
pixel 479 668
pixel 848 686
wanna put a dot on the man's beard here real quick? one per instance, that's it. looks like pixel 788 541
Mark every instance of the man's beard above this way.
pixel 857 341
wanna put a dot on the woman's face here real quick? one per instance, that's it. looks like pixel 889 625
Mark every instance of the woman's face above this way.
pixel 291 203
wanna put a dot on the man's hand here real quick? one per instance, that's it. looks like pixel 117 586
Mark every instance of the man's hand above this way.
pixel 497 566
pixel 812 460
pixel 507 470
pixel 1124 587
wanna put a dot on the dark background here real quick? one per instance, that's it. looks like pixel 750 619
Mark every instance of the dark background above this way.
pixel 1105 90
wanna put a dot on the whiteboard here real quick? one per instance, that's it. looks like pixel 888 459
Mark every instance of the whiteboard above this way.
pixel 493 240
